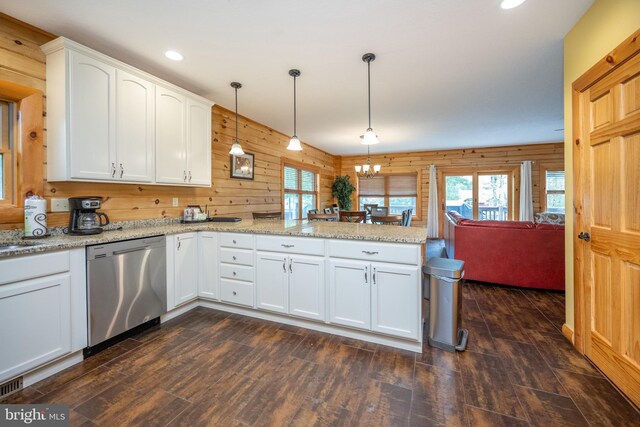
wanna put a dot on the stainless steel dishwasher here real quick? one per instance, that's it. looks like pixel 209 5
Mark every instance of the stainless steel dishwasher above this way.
pixel 126 287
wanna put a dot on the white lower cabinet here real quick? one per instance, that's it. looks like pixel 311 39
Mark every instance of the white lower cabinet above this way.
pixel 349 294
pixel 395 302
pixel 306 287
pixel 375 296
pixel 185 267
pixel 272 282
pixel 43 310
pixel 207 265
pixel 291 284
pixel 38 313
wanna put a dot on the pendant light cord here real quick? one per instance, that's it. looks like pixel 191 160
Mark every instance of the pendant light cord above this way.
pixel 369 89
pixel 295 133
pixel 236 114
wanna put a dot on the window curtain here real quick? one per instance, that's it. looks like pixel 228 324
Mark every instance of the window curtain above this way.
pixel 526 192
pixel 432 211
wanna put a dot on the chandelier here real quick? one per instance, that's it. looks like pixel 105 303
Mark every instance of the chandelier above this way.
pixel 366 171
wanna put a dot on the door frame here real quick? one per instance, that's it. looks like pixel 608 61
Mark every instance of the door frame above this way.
pixel 618 56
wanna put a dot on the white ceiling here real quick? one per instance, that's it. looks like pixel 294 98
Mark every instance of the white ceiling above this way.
pixel 448 73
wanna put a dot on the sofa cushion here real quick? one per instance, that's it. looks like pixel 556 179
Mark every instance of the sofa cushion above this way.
pixel 549 218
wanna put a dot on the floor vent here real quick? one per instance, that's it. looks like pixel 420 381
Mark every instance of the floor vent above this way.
pixel 10 387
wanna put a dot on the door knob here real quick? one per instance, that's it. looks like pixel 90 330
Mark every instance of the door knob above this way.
pixel 584 236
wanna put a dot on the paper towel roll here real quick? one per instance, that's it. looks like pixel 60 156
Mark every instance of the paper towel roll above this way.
pixel 35 217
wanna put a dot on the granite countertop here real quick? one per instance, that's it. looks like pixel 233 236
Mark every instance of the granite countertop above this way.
pixel 145 228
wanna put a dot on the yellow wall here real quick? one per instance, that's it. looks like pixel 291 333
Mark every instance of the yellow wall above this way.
pixel 605 25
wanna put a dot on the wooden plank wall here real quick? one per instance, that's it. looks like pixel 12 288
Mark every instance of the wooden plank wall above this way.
pixel 494 156
pixel 22 62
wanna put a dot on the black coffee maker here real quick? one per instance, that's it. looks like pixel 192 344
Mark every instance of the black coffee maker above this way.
pixel 83 218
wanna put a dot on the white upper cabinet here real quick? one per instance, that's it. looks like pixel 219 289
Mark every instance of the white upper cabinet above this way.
pixel 183 139
pixel 199 143
pixel 92 125
pixel 171 137
pixel 135 130
pixel 108 121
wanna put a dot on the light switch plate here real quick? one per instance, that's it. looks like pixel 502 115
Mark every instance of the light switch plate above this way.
pixel 175 202
pixel 59 205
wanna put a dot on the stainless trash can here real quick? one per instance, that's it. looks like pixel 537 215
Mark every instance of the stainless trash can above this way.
pixel 445 304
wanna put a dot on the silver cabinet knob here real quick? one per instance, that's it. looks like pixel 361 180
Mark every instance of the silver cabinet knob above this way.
pixel 234 242
pixel 235 293
pixel 234 257
pixel 234 273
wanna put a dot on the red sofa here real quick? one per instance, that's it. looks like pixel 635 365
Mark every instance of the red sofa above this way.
pixel 516 253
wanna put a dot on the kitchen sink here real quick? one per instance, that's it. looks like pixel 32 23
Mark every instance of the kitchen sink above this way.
pixel 14 246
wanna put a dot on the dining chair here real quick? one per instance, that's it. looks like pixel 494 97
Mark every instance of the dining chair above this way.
pixel 353 216
pixel 379 211
pixel 406 217
pixel 322 217
pixel 312 211
pixel 327 210
pixel 367 209
pixel 336 210
pixel 387 219
pixel 267 215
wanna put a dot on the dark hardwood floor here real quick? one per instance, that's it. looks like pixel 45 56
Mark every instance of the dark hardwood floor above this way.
pixel 210 368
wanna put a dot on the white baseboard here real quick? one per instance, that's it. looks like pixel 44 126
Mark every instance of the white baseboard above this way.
pixel 51 368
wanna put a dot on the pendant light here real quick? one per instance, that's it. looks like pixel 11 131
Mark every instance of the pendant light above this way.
pixel 236 149
pixel 369 137
pixel 294 143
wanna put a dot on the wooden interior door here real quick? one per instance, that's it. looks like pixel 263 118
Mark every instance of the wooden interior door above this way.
pixel 607 195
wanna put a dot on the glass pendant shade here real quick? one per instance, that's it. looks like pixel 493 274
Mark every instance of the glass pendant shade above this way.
pixel 369 137
pixel 358 168
pixel 294 144
pixel 236 149
pixel 376 168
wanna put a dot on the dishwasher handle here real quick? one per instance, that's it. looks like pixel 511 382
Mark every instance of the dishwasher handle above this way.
pixel 126 251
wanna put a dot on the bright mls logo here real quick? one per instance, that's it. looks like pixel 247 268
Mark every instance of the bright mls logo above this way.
pixel 34 415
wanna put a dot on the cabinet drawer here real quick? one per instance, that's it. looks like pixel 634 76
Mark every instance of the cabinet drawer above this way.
pixel 237 272
pixel 240 257
pixel 369 251
pixel 291 245
pixel 236 292
pixel 236 240
pixel 31 266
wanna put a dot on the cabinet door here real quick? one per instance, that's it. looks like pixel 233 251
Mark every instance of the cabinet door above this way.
pixel 35 323
pixel 135 124
pixel 306 287
pixel 396 300
pixel 349 294
pixel 186 267
pixel 171 141
pixel 92 130
pixel 199 140
pixel 272 282
pixel 207 265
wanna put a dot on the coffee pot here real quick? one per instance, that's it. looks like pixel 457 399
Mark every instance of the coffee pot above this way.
pixel 83 218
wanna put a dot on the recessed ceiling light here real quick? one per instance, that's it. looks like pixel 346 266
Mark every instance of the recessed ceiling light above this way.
pixel 510 4
pixel 173 55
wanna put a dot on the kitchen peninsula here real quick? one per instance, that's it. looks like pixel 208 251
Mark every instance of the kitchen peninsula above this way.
pixel 360 281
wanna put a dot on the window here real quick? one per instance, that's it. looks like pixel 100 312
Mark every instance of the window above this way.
pixel 553 191
pixel 6 154
pixel 300 190
pixel 479 193
pixel 397 192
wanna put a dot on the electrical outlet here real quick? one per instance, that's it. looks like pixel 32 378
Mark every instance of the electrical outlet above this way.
pixel 59 205
pixel 175 202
